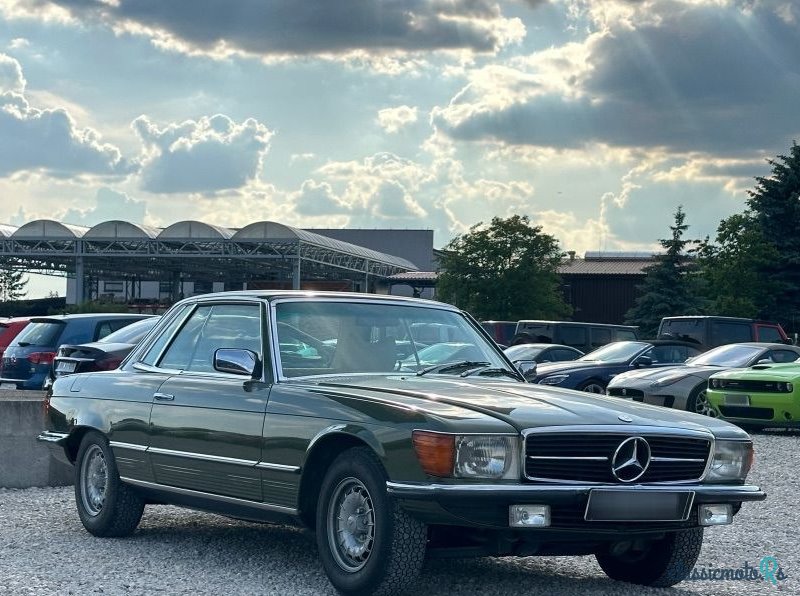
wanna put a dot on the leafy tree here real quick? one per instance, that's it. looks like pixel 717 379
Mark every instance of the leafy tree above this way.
pixel 506 270
pixel 670 286
pixel 12 286
pixel 775 208
pixel 735 269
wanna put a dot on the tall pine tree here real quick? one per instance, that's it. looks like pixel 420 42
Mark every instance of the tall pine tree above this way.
pixel 670 287
pixel 775 207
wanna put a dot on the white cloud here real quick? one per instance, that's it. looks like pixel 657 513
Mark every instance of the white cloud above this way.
pixel 18 43
pixel 201 156
pixel 47 140
pixel 109 204
pixel 393 119
pixel 317 199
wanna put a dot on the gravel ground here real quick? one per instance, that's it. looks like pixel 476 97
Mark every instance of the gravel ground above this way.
pixel 45 550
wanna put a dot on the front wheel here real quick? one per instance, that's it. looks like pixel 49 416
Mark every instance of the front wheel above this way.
pixel 106 506
pixel 592 386
pixel 367 543
pixel 699 404
pixel 661 563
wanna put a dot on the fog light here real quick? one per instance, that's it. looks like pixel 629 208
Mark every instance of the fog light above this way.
pixel 715 515
pixel 529 516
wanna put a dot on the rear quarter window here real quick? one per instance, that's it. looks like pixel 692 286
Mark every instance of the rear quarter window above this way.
pixel 40 334
pixel 574 337
pixel 723 332
pixel 769 335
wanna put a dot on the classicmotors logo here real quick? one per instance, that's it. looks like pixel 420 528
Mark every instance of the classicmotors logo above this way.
pixel 767 570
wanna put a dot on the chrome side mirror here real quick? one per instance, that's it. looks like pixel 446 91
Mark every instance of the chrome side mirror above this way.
pixel 237 362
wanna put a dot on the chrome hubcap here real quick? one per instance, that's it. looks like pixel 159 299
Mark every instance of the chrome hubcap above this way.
pixel 701 405
pixel 94 479
pixel 351 525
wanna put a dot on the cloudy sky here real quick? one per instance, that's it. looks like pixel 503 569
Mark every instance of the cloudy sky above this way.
pixel 595 118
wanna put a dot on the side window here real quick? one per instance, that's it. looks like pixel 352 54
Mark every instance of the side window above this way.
pixel 163 337
pixel 573 336
pixel 782 356
pixel 770 335
pixel 669 354
pixel 624 335
pixel 228 326
pixel 723 332
pixel 103 329
pixel 181 351
pixel 558 355
pixel 600 337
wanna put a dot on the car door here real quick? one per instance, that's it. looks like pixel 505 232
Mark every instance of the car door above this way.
pixel 205 425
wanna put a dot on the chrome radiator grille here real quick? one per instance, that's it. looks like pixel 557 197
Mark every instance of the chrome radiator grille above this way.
pixel 615 457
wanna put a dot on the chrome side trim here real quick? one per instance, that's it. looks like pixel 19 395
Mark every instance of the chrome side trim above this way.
pixel 49 436
pixel 278 467
pixel 212 458
pixel 210 496
pixel 129 446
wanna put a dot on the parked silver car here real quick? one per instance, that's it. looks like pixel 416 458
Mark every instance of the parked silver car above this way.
pixel 684 387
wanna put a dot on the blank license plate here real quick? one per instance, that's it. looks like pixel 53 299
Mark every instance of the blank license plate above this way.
pixel 737 399
pixel 8 386
pixel 66 367
pixel 638 506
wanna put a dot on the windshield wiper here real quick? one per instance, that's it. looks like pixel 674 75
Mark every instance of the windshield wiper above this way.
pixel 492 370
pixel 448 366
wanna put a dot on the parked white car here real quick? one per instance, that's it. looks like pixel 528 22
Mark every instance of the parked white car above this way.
pixel 684 387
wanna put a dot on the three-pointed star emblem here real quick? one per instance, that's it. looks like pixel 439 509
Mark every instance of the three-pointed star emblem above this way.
pixel 631 459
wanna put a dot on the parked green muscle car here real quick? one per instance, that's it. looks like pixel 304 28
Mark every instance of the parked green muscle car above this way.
pixel 763 395
pixel 387 458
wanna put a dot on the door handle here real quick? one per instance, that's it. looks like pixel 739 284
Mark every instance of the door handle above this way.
pixel 164 396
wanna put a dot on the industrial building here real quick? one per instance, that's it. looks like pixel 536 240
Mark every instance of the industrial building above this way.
pixel 128 262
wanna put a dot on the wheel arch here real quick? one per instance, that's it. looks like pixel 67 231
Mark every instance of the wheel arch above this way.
pixel 74 439
pixel 325 447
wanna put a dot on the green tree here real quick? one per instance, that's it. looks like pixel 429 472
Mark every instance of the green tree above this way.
pixel 775 208
pixel 735 267
pixel 670 285
pixel 506 270
pixel 12 284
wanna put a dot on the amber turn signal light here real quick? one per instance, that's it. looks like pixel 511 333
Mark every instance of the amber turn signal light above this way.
pixel 435 452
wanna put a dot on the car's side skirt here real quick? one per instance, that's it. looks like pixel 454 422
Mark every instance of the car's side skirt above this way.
pixel 217 503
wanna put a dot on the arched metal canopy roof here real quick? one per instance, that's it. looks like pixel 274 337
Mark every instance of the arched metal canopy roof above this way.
pixel 270 230
pixel 121 230
pixel 48 229
pixel 263 252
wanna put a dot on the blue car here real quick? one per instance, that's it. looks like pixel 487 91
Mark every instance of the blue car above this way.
pixel 595 370
pixel 26 362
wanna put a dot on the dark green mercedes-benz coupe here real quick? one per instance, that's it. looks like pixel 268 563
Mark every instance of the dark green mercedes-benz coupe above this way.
pixel 316 409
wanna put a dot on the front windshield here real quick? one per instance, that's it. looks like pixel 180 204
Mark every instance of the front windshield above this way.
pixel 730 356
pixel 620 351
pixel 131 334
pixel 323 338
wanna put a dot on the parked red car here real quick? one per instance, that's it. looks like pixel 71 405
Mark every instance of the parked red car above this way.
pixel 9 329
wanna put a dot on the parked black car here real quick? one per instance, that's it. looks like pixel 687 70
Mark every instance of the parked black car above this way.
pixel 593 371
pixel 581 336
pixel 104 354
pixel 388 465
pixel 27 361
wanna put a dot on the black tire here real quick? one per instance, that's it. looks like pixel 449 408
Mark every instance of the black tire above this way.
pixel 698 402
pixel 106 506
pixel 591 386
pixel 393 550
pixel 661 564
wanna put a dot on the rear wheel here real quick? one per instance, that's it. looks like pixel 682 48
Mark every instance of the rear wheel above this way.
pixel 106 506
pixel 660 563
pixel 367 543
pixel 699 404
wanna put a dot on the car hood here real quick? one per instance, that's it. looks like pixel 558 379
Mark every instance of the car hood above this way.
pixel 546 370
pixel 654 374
pixel 520 405
pixel 788 372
